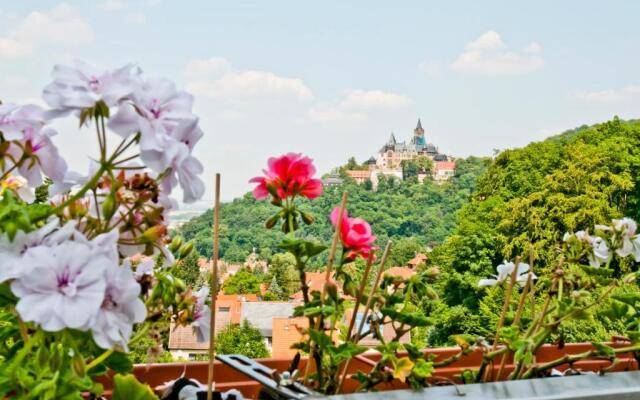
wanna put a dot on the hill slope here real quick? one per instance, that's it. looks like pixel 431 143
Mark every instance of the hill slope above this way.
pixel 426 213
pixel 526 201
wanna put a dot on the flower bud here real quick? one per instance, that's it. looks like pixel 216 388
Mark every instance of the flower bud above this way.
pixel 11 229
pixel 78 365
pixel 179 284
pixel 154 234
pixel 186 249
pixel 307 218
pixel 109 206
pixel 271 222
pixel 175 244
pixel 331 289
pixel 432 273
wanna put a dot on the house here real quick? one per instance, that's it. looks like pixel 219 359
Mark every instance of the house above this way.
pixel 286 332
pixel 332 180
pixel 315 282
pixel 183 343
pixel 360 176
pixel 388 333
pixel 260 314
pixel 401 272
pixel 418 260
pixel 443 170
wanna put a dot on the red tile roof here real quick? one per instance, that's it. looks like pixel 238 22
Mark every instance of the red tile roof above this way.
pixel 402 272
pixel 359 173
pixel 417 260
pixel 445 165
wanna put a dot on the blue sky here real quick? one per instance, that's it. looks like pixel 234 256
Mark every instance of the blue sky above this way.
pixel 333 78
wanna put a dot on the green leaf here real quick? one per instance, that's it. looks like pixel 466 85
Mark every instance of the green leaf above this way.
pixel 127 387
pixel 119 362
pixel 423 369
pixel 603 350
pixel 6 295
pixel 408 318
pixel 324 310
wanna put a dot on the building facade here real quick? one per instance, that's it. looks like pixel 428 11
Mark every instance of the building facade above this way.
pixel 390 157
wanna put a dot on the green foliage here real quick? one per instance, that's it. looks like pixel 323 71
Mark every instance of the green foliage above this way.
pixel 398 209
pixel 241 339
pixel 189 271
pixel 283 271
pixel 242 282
pixel 527 199
pixel 404 250
pixel 127 387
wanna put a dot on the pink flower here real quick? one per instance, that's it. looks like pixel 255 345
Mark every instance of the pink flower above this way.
pixel 288 175
pixel 355 233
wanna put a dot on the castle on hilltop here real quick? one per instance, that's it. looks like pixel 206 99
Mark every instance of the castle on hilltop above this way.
pixel 389 161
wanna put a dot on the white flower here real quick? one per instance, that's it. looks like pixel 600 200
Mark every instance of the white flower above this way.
pixel 19 186
pixel 600 252
pixel 121 308
pixel 61 286
pixel 144 268
pixel 11 251
pixel 46 161
pixel 184 170
pixel 79 87
pixel 504 272
pixel 157 109
pixel 18 121
pixel 202 316
pixel 168 132
pixel 630 241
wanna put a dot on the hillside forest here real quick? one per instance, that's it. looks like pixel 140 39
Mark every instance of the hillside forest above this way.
pixel 518 203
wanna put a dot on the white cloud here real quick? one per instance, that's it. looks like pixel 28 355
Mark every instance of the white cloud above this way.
pixel 356 104
pixel 372 100
pixel 619 95
pixel 112 4
pixel 135 19
pixel 207 69
pixel 433 69
pixel 62 26
pixel 329 113
pixel 216 78
pixel 488 55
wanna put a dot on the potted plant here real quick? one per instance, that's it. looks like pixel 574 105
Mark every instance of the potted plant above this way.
pixel 72 283
pixel 75 295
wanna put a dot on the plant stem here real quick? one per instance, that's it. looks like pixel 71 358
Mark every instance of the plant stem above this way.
pixel 516 320
pixel 96 361
pixel 503 314
pixel 358 334
pixel 327 276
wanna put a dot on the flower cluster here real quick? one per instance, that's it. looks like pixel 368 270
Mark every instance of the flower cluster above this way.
pixel 598 250
pixel 288 176
pixel 152 110
pixel 355 234
pixel 26 148
pixel 64 280
pixel 504 272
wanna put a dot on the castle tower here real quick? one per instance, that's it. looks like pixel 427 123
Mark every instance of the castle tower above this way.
pixel 418 134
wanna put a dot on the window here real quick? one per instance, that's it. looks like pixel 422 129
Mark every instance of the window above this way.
pixel 224 309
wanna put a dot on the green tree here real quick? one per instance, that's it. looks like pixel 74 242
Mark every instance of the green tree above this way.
pixel 242 282
pixel 283 270
pixel 189 271
pixel 404 250
pixel 242 339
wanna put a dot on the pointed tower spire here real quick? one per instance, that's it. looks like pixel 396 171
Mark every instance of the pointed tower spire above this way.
pixel 392 139
pixel 419 126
